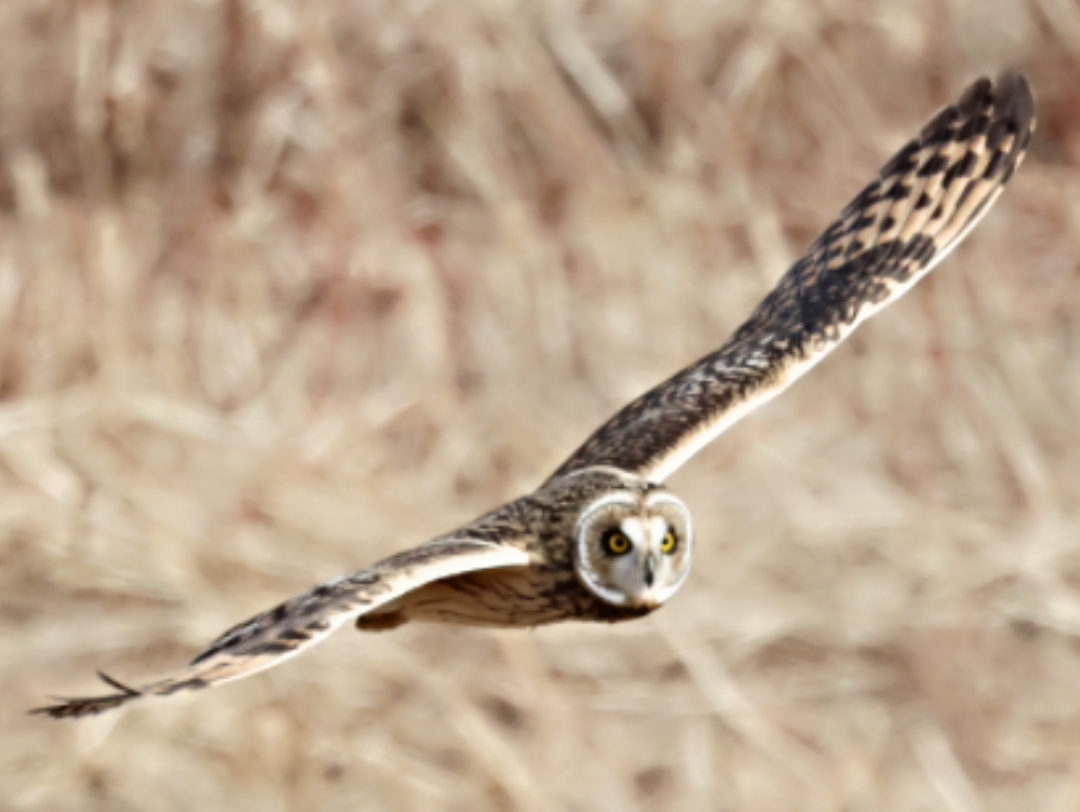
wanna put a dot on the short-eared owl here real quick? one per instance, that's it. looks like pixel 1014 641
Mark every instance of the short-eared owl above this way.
pixel 602 539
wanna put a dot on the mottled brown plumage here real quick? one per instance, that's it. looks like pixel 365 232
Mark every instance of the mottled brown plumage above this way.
pixel 602 540
pixel 891 235
pixel 514 566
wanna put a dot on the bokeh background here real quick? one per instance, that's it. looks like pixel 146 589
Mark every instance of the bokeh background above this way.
pixel 285 287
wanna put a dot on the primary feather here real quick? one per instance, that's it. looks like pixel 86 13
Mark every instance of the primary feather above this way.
pixel 923 203
pixel 274 636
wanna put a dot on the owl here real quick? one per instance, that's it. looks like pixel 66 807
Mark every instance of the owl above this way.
pixel 602 539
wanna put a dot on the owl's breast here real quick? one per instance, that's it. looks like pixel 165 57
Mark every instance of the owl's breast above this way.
pixel 511 597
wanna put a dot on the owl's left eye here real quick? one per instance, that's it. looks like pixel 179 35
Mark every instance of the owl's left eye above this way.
pixel 670 543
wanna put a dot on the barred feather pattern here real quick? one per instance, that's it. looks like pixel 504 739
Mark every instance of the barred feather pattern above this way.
pixel 272 637
pixel 923 203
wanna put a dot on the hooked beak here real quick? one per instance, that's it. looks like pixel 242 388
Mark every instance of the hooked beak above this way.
pixel 650 570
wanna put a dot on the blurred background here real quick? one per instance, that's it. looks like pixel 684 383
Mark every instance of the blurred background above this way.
pixel 286 287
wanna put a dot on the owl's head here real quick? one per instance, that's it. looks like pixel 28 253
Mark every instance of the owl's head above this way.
pixel 633 546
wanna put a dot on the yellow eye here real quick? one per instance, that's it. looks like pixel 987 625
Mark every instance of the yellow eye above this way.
pixel 668 545
pixel 616 543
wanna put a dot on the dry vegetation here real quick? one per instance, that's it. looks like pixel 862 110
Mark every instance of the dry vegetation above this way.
pixel 287 286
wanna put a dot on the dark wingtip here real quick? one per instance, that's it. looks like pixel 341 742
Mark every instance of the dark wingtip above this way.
pixel 1015 100
pixel 977 97
pixel 1014 96
pixel 78 707
pixel 1010 96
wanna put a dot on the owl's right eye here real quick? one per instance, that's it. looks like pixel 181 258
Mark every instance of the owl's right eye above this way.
pixel 615 542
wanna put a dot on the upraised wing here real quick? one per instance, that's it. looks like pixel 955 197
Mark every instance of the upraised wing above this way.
pixel 923 203
pixel 271 638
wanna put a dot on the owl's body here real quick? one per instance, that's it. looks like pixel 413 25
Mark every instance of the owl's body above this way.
pixel 602 539
pixel 549 590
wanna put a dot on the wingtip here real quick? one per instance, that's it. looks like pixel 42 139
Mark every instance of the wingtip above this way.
pixel 977 96
pixel 1008 99
pixel 1010 93
pixel 1013 93
pixel 78 707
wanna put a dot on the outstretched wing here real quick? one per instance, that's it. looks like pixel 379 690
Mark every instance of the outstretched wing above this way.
pixel 923 203
pixel 274 636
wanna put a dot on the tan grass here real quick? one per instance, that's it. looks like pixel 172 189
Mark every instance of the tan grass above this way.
pixel 285 287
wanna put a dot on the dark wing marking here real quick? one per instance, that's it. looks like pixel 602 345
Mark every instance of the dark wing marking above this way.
pixel 922 204
pixel 271 638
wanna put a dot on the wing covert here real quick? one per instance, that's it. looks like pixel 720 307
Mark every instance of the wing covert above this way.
pixel 272 637
pixel 923 203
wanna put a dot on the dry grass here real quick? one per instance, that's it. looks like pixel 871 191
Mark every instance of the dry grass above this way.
pixel 273 275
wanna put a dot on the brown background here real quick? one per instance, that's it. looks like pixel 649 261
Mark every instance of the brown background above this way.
pixel 285 287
